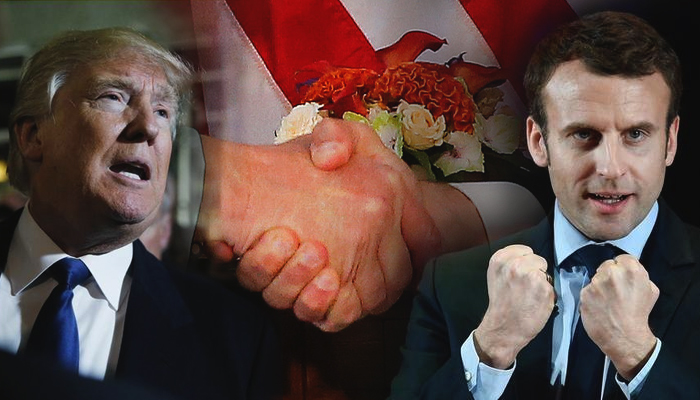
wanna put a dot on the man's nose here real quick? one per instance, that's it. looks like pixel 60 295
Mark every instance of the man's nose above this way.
pixel 144 125
pixel 610 159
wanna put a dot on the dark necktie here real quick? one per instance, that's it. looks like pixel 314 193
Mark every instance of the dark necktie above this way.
pixel 55 332
pixel 584 370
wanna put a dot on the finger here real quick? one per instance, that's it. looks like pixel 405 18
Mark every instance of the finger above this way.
pixel 316 298
pixel 346 310
pixel 370 284
pixel 539 262
pixel 217 251
pixel 305 264
pixel 369 143
pixel 504 254
pixel 264 259
pixel 549 278
pixel 332 145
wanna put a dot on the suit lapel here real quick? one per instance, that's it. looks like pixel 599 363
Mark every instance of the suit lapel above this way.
pixel 156 318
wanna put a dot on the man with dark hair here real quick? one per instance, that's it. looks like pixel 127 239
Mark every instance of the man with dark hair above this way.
pixel 600 299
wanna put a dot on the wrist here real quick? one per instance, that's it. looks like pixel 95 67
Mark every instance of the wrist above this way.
pixel 455 215
pixel 634 357
pixel 494 353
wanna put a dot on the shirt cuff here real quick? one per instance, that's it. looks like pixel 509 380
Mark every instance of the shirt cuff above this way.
pixel 483 381
pixel 633 387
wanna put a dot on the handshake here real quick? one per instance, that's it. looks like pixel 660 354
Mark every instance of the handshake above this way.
pixel 332 225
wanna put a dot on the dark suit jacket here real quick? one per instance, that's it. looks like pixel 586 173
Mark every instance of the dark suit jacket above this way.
pixel 453 298
pixel 189 337
pixel 29 379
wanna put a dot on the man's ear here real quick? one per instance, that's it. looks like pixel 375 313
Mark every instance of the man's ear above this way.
pixel 672 142
pixel 28 141
pixel 536 143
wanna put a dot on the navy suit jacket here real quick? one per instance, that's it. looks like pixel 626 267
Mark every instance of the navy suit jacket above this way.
pixel 189 337
pixel 453 298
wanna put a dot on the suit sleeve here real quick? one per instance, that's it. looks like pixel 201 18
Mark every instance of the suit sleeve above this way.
pixel 432 367
pixel 675 318
pixel 672 377
pixel 267 370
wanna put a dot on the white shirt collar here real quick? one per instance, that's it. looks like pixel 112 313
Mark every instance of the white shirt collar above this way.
pixel 32 251
pixel 568 239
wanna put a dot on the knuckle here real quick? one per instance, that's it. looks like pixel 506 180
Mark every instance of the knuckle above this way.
pixel 315 308
pixel 311 305
pixel 349 317
pixel 254 276
pixel 300 272
pixel 374 301
pixel 376 208
pixel 393 176
pixel 278 300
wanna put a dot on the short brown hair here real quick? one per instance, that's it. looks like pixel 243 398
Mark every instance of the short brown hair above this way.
pixel 608 43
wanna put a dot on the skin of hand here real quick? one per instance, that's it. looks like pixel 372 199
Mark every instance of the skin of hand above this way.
pixel 456 217
pixel 615 309
pixel 306 234
pixel 521 299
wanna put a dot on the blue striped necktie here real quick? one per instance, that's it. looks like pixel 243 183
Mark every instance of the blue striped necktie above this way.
pixel 55 333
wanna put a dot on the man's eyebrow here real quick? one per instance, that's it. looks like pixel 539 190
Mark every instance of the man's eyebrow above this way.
pixel 581 126
pixel 578 126
pixel 97 85
pixel 644 126
pixel 164 93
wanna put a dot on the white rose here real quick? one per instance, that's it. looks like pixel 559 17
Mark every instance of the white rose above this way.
pixel 299 122
pixel 420 130
pixel 500 132
pixel 465 156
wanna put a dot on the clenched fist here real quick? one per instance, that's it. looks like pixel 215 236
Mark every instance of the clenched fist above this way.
pixel 521 299
pixel 615 309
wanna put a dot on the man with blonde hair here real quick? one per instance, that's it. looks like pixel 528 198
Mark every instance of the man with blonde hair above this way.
pixel 92 135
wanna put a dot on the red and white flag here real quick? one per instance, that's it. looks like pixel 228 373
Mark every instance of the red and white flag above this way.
pixel 251 51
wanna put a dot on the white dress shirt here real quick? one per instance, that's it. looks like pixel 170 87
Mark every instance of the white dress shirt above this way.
pixel 99 303
pixel 489 383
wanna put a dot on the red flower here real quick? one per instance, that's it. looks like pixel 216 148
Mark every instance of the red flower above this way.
pixel 342 89
pixel 427 84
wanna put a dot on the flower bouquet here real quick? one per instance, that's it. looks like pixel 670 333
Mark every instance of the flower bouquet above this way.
pixel 441 119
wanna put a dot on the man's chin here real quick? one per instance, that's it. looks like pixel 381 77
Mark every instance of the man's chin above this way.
pixel 609 231
pixel 137 221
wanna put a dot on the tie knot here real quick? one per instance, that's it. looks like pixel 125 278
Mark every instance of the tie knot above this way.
pixel 591 256
pixel 70 272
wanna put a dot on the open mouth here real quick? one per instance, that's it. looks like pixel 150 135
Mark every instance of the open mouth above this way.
pixel 609 199
pixel 132 170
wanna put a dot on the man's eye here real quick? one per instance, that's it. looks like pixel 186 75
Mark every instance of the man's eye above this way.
pixel 163 113
pixel 583 135
pixel 111 96
pixel 112 101
pixel 636 134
